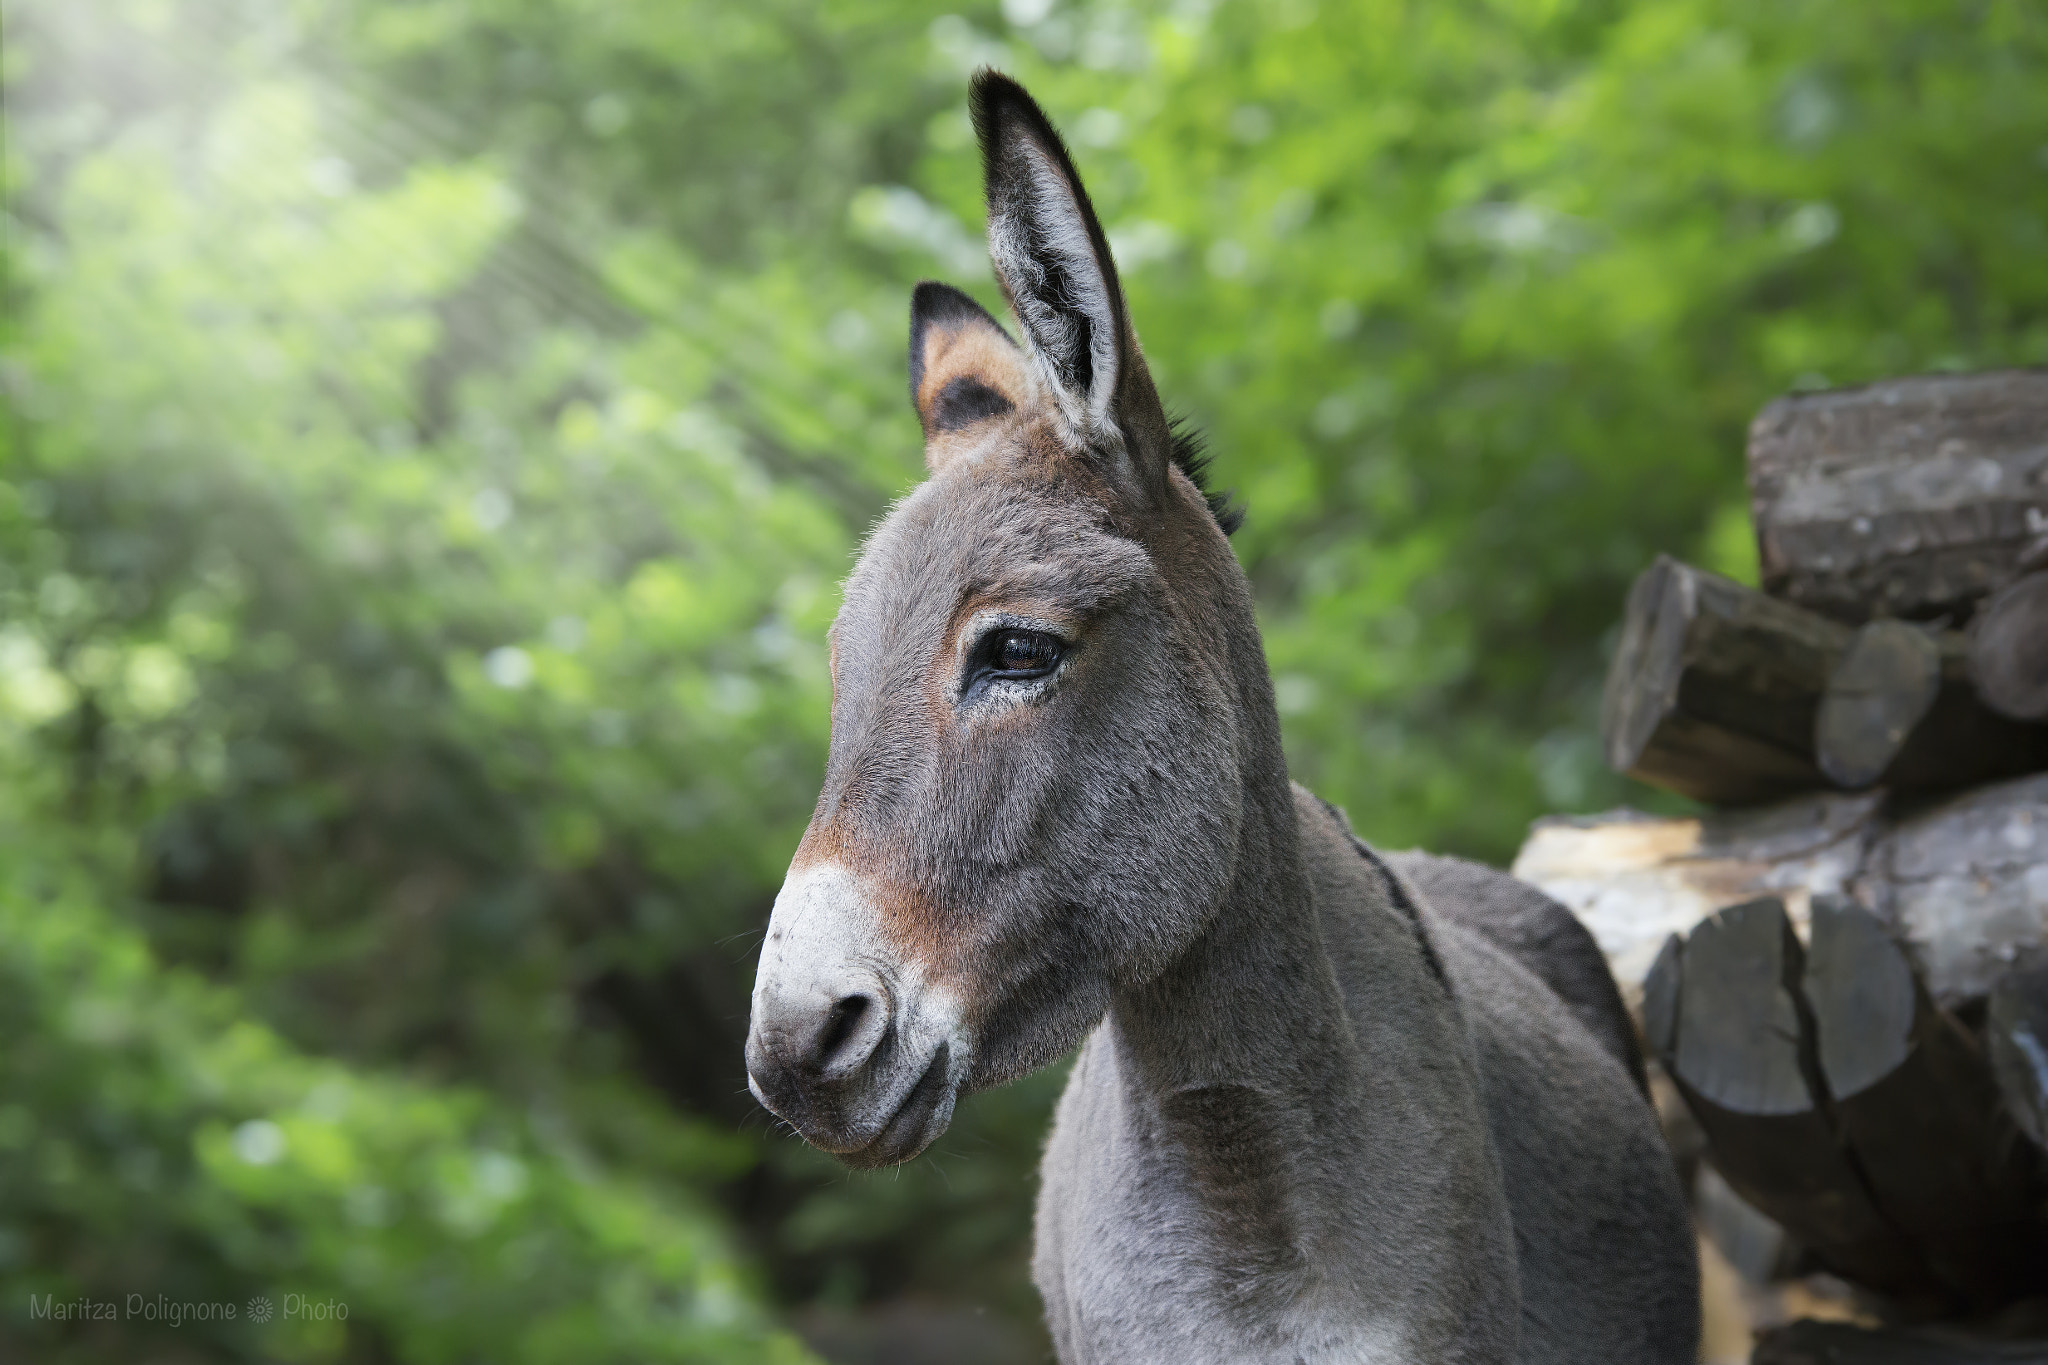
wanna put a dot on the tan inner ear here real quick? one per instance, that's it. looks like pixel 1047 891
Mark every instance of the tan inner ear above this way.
pixel 970 349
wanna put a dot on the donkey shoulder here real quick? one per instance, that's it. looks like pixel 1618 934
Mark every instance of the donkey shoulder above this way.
pixel 1528 926
pixel 1537 932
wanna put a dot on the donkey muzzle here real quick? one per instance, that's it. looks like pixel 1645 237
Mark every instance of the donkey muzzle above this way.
pixel 845 1043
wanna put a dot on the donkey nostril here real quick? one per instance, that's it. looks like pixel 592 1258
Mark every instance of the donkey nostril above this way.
pixel 838 1040
pixel 839 1025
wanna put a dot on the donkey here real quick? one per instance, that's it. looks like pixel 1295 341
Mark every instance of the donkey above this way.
pixel 1329 1105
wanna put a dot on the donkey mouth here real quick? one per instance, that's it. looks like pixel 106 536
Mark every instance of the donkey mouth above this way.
pixel 919 1119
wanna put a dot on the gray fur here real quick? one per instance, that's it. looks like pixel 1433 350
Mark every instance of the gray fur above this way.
pixel 1330 1107
pixel 1544 936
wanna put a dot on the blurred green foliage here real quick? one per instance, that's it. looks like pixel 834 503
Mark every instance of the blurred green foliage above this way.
pixel 435 431
pixel 162 1149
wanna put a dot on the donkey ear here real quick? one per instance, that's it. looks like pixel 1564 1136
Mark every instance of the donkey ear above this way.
pixel 964 369
pixel 1050 254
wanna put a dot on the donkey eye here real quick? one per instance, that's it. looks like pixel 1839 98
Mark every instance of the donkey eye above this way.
pixel 1009 655
pixel 1024 653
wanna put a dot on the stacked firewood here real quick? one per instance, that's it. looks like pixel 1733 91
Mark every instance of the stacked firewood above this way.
pixel 1843 969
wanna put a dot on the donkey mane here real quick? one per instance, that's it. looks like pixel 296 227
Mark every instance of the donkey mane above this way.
pixel 1191 456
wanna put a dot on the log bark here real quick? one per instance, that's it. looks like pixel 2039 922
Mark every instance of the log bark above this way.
pixel 1959 740
pixel 1964 883
pixel 1634 880
pixel 1731 697
pixel 2008 658
pixel 1835 1343
pixel 1912 498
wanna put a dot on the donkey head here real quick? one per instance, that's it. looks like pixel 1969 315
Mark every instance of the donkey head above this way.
pixel 1042 715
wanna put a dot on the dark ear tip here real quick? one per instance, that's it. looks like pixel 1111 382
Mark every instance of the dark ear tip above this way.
pixel 994 99
pixel 933 296
pixel 990 84
pixel 990 87
pixel 937 301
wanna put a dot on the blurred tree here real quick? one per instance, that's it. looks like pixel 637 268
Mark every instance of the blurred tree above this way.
pixel 435 431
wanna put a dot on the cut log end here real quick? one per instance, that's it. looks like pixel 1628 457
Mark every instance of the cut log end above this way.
pixel 1880 689
pixel 1643 683
pixel 1863 996
pixel 1738 1031
pixel 2009 649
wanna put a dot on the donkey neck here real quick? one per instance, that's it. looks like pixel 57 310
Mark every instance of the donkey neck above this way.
pixel 1275 1149
pixel 1299 1081
pixel 1243 1106
pixel 1254 1001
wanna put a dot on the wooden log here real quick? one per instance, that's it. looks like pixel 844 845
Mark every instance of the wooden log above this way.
pixel 1919 1115
pixel 1714 687
pixel 1728 696
pixel 1742 1056
pixel 1837 1343
pixel 2008 658
pixel 1964 883
pixel 1660 999
pixel 1879 690
pixel 1912 498
pixel 2016 1031
pixel 1843 1105
pixel 1634 880
pixel 1960 741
